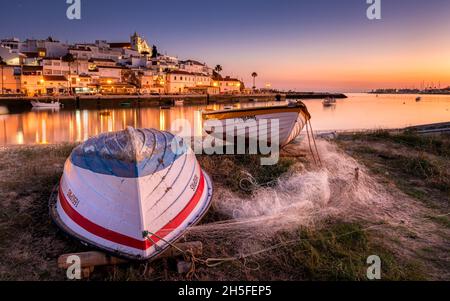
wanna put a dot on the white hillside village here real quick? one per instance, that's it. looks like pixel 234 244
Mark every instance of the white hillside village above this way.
pixel 50 67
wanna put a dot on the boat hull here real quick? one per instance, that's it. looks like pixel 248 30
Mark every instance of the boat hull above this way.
pixel 247 123
pixel 112 207
pixel 43 105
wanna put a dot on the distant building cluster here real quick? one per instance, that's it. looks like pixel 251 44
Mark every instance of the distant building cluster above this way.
pixel 427 90
pixel 50 67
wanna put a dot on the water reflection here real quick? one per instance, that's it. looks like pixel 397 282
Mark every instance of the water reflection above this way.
pixel 359 111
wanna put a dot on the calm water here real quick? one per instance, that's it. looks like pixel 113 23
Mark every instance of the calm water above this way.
pixel 359 111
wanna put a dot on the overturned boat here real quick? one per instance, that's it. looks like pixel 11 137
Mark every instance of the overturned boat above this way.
pixel 131 193
pixel 291 118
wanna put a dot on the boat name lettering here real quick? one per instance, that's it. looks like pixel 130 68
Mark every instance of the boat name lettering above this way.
pixel 245 118
pixel 73 199
pixel 194 183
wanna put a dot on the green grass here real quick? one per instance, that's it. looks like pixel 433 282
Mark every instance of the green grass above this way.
pixel 244 173
pixel 443 220
pixel 338 251
pixel 420 167
pixel 439 145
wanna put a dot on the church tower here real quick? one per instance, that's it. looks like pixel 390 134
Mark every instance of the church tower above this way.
pixel 139 44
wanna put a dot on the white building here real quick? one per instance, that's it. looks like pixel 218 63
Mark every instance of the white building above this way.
pixel 163 64
pixel 10 56
pixel 11 43
pixel 228 85
pixel 193 66
pixel 179 82
pixel 44 48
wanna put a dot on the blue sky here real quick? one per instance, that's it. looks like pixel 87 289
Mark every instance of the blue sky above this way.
pixel 309 45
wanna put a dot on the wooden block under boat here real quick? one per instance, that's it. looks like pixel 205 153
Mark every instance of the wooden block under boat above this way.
pixel 96 258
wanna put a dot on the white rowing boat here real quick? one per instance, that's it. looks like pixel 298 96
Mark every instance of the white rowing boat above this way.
pixel 291 118
pixel 132 193
pixel 50 105
pixel 329 101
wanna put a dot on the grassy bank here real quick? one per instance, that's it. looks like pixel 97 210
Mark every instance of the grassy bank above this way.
pixel 419 165
pixel 335 249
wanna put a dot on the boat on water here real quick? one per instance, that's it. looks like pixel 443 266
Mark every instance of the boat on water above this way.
pixel 292 119
pixel 228 107
pixel 329 101
pixel 179 102
pixel 104 113
pixel 50 105
pixel 418 98
pixel 4 110
pixel 131 193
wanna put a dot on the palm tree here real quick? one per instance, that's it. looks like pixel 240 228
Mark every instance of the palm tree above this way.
pixel 218 68
pixel 2 64
pixel 69 58
pixel 154 52
pixel 254 75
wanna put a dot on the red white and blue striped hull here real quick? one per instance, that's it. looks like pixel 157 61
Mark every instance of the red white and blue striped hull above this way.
pixel 110 206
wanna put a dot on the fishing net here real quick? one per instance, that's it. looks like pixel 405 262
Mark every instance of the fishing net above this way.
pixel 304 197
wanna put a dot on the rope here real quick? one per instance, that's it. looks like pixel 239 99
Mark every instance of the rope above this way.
pixel 309 143
pixel 314 140
pixel 214 262
pixel 253 183
pixel 186 254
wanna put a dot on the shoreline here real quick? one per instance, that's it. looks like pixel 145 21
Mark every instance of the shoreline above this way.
pixel 407 242
pixel 409 93
pixel 108 101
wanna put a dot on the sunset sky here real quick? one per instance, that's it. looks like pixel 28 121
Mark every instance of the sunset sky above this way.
pixel 293 44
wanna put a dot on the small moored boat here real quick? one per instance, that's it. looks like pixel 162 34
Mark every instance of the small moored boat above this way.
pixel 329 101
pixel 131 193
pixel 418 98
pixel 50 105
pixel 292 119
pixel 179 102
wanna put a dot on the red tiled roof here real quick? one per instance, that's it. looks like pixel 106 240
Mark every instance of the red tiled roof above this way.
pixel 101 60
pixel 194 62
pixel 112 67
pixel 31 68
pixel 227 79
pixel 120 45
pixel 79 49
pixel 181 72
pixel 31 54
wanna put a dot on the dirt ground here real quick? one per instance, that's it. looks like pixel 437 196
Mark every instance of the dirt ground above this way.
pixel 293 221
